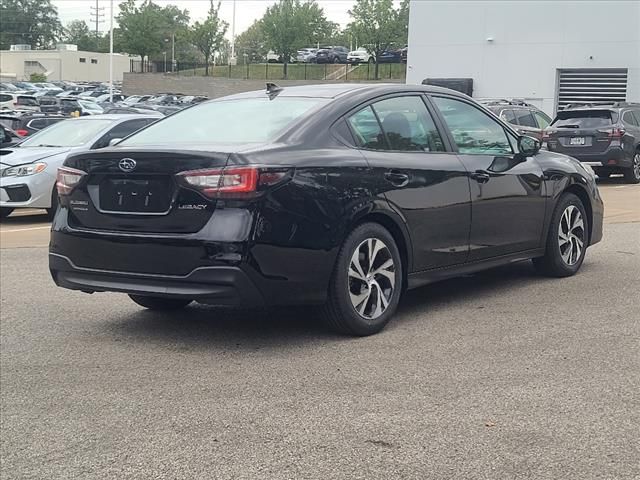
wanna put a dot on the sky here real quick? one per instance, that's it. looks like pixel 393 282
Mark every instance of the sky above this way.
pixel 247 11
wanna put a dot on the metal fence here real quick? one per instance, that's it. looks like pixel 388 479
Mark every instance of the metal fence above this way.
pixel 275 71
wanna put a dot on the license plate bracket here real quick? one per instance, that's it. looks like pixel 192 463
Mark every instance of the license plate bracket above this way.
pixel 135 194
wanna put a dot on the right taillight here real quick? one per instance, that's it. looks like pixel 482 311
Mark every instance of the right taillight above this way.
pixel 614 132
pixel 231 181
pixel 22 132
pixel 68 179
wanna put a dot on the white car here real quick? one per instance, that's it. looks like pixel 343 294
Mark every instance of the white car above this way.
pixel 28 170
pixel 361 55
pixel 18 101
pixel 307 55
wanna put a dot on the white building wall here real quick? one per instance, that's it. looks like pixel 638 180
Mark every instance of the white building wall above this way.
pixel 63 65
pixel 531 41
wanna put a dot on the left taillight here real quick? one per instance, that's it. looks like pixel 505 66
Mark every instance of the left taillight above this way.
pixel 68 179
pixel 231 181
pixel 22 132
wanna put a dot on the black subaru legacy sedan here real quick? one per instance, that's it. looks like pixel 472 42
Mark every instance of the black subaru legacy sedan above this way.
pixel 337 195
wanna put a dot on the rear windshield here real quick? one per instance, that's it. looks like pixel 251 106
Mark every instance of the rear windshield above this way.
pixel 249 120
pixel 585 119
pixel 28 101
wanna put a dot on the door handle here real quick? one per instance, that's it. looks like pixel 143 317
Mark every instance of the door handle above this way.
pixel 480 176
pixel 396 178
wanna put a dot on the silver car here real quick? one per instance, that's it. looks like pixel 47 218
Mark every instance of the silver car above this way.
pixel 28 170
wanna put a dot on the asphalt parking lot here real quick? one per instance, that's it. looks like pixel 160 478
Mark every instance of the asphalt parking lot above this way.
pixel 502 374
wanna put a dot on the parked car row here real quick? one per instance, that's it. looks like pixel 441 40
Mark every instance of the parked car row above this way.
pixel 339 54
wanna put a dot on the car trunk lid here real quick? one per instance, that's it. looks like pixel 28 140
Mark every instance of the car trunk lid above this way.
pixel 140 190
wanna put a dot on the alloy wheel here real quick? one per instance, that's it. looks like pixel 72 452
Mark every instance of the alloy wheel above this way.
pixel 636 166
pixel 372 278
pixel 571 235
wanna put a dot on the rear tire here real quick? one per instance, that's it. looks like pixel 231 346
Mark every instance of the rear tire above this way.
pixel 632 174
pixel 51 211
pixel 5 212
pixel 160 303
pixel 366 284
pixel 567 240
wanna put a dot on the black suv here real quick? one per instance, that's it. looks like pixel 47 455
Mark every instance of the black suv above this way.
pixel 332 55
pixel 606 137
pixel 526 118
pixel 30 123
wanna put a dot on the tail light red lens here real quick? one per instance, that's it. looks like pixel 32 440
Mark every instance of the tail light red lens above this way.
pixel 68 179
pixel 614 132
pixel 22 132
pixel 219 182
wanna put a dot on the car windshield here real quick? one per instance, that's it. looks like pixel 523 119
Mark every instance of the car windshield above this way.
pixel 68 133
pixel 250 120
pixel 584 119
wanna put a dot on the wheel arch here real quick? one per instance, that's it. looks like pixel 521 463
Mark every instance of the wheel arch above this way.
pixel 396 226
pixel 580 192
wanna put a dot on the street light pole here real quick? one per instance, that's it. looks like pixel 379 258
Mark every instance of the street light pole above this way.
pixel 111 54
pixel 233 35
pixel 165 62
pixel 173 52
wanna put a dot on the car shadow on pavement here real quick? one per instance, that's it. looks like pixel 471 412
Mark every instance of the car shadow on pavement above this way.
pixel 202 326
pixel 613 180
pixel 18 220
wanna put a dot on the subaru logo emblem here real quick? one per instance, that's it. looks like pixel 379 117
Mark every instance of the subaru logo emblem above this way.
pixel 127 165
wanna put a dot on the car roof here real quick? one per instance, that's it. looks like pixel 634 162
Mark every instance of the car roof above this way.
pixel 339 89
pixel 110 116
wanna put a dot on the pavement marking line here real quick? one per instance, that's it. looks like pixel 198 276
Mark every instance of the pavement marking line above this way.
pixel 25 229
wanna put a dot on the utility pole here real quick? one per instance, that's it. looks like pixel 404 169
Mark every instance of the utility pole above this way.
pixel 97 16
pixel 111 54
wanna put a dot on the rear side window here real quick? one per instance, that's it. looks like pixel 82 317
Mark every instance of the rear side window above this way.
pixel 5 98
pixel 525 118
pixel 38 123
pixel 629 119
pixel 367 130
pixel 508 116
pixel 27 101
pixel 123 130
pixel 584 119
pixel 407 125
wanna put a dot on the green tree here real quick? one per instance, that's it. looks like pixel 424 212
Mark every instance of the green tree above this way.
pixel 32 22
pixel 142 29
pixel 37 77
pixel 207 36
pixel 378 25
pixel 252 42
pixel 290 24
pixel 77 32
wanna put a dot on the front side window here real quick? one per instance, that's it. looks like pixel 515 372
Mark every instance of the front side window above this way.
pixel 543 120
pixel 248 120
pixel 407 125
pixel 473 131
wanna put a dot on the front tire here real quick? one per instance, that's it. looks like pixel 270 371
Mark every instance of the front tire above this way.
pixel 366 284
pixel 160 303
pixel 567 240
pixel 632 174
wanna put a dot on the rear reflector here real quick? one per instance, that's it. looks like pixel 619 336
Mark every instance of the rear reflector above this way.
pixel 68 179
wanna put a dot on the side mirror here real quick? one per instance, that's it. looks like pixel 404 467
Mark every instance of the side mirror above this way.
pixel 528 145
pixel 114 141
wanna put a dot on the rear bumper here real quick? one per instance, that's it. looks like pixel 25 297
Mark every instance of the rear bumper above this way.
pixel 612 157
pixel 216 285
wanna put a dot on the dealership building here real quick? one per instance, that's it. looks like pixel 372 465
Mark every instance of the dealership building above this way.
pixel 550 54
pixel 64 63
